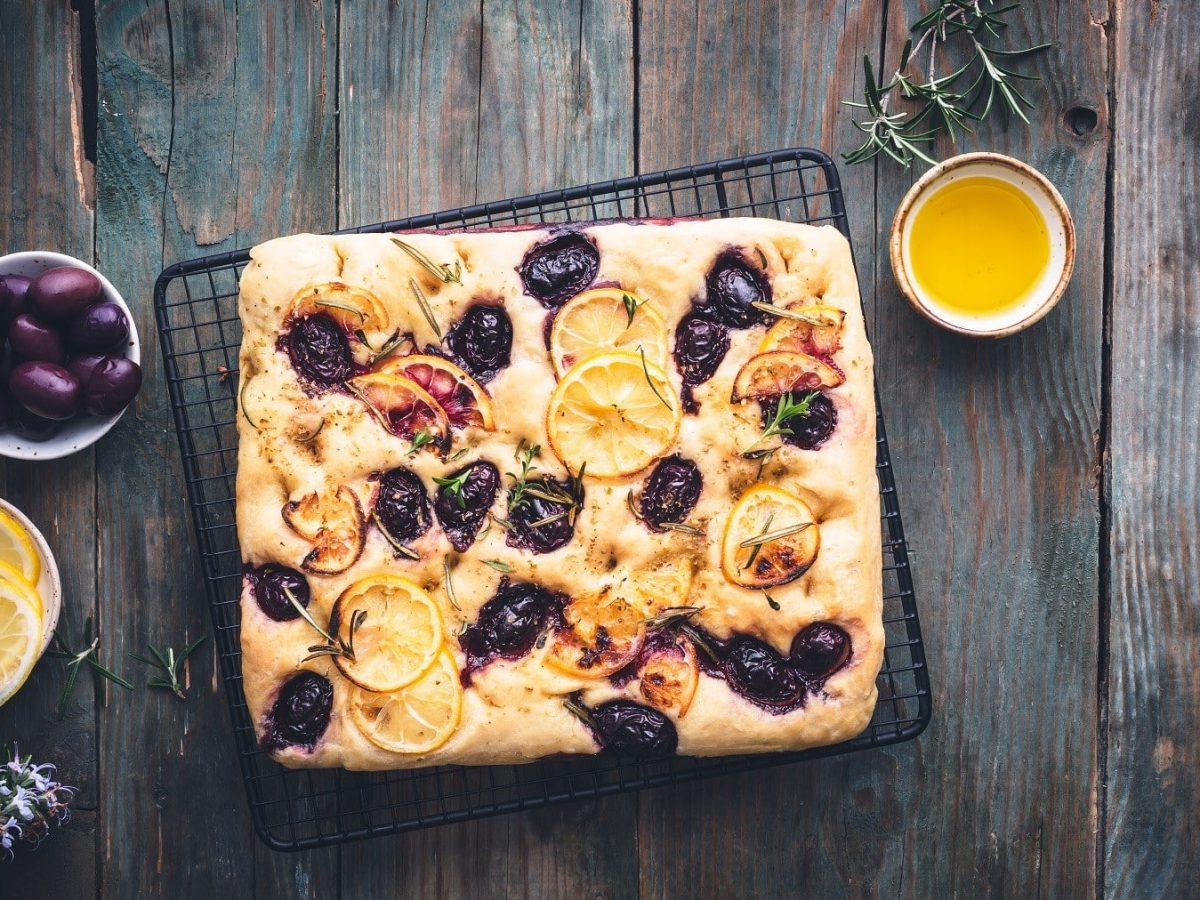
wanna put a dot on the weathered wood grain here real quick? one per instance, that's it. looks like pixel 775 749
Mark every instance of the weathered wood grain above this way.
pixel 716 82
pixel 441 108
pixel 996 452
pixel 216 128
pixel 46 202
pixel 1152 845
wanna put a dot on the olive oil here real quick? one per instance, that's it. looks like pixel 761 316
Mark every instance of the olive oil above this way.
pixel 978 247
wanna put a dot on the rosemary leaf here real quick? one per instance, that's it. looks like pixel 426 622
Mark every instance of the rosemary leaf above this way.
pixel 498 564
pixel 426 309
pixel 650 381
pixel 449 584
pixel 445 274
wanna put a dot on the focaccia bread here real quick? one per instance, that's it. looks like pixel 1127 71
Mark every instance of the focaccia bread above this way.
pixel 512 493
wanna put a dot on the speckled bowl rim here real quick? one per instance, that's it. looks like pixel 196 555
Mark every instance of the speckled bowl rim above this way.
pixel 935 175
pixel 52 604
pixel 59 446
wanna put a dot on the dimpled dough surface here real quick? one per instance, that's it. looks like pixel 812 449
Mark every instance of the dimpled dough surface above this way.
pixel 513 711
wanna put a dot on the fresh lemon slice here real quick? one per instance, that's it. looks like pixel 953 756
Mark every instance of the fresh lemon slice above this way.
pixel 817 333
pixel 16 549
pixel 415 719
pixel 603 634
pixel 20 639
pixel 19 586
pixel 614 411
pixel 771 537
pixel 781 371
pixel 599 321
pixel 464 399
pixel 398 635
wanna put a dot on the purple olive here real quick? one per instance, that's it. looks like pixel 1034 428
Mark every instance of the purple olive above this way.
pixel 630 729
pixel 700 345
pixel 320 351
pixel 508 625
pixel 820 649
pixel 402 506
pixel 62 292
pixel 30 426
pixel 671 492
pixel 33 339
pixel 113 385
pixel 733 287
pixel 557 269
pixel 481 341
pixel 539 524
pixel 46 390
pixel 14 297
pixel 463 501
pixel 7 361
pixel 757 672
pixel 300 713
pixel 83 365
pixel 270 586
pixel 99 328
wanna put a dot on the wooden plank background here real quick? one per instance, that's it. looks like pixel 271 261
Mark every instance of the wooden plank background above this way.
pixel 1048 481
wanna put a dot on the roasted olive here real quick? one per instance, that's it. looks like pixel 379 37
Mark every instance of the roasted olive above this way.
pixel 555 270
pixel 481 341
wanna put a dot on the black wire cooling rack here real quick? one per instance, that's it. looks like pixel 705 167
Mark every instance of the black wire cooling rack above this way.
pixel 196 307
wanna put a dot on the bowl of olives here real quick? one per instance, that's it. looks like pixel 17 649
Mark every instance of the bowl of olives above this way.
pixel 69 355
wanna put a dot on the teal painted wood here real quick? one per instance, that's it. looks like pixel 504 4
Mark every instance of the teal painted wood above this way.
pixel 996 451
pixel 440 108
pixel 46 202
pixel 1152 844
pixel 217 128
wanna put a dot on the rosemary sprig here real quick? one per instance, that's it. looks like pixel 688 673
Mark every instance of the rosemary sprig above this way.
pixel 633 507
pixel 338 647
pixel 400 547
pixel 396 340
pixel 426 309
pixel 329 304
pixel 758 544
pixel 575 707
pixel 445 274
pixel 309 438
pixel 419 440
pixel 631 306
pixel 943 107
pixel 702 643
pixel 170 665
pixel 786 409
pixel 763 456
pixel 650 381
pixel 671 616
pixel 682 527
pixel 332 646
pixel 460 454
pixel 797 314
pixel 498 564
pixel 90 654
pixel 767 536
pixel 454 486
pixel 449 584
pixel 525 456
pixel 242 403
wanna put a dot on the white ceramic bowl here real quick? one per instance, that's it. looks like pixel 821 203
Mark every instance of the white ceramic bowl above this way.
pixel 1050 206
pixel 84 430
pixel 49 585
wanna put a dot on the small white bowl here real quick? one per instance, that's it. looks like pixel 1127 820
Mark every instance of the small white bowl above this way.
pixel 84 430
pixel 49 585
pixel 1050 206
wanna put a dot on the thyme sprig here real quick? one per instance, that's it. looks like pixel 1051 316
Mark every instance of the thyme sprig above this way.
pixel 525 456
pixel 419 440
pixel 454 486
pixel 170 664
pixel 944 105
pixel 444 273
pixel 786 409
pixel 75 659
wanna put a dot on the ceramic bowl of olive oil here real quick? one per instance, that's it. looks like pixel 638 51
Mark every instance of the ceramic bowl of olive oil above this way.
pixel 983 245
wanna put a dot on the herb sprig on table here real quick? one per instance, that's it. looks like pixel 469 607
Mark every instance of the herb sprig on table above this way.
pixel 945 103
pixel 88 655
pixel 170 664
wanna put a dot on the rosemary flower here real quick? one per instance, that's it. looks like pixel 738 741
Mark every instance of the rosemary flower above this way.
pixel 30 801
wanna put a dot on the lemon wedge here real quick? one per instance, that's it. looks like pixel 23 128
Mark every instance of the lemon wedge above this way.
pixel 20 638
pixel 17 549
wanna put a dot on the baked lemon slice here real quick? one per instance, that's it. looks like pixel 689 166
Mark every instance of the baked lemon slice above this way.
pixel 617 412
pixel 462 397
pixel 17 549
pixel 603 633
pixel 781 371
pixel 418 718
pixel 771 537
pixel 333 522
pixel 401 405
pixel 394 628
pixel 817 332
pixel 668 679
pixel 663 585
pixel 599 321
pixel 20 638
pixel 355 308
